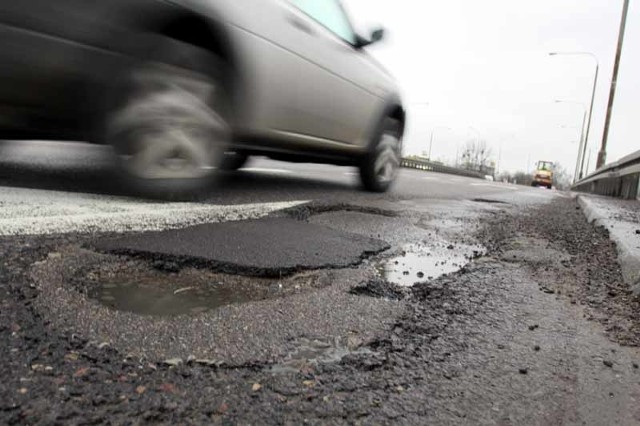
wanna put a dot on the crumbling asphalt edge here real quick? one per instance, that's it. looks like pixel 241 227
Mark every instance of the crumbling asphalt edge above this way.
pixel 628 258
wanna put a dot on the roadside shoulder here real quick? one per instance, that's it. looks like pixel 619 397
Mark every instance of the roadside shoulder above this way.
pixel 621 218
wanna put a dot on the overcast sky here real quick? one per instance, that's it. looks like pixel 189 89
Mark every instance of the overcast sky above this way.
pixel 485 64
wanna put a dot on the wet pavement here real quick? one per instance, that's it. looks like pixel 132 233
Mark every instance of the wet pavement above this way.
pixel 418 263
pixel 526 319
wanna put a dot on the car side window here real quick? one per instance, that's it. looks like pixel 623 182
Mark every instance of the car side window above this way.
pixel 330 14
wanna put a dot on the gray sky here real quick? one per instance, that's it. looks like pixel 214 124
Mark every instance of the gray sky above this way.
pixel 485 64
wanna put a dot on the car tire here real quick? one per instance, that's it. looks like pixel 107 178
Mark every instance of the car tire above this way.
pixel 379 167
pixel 165 128
pixel 233 160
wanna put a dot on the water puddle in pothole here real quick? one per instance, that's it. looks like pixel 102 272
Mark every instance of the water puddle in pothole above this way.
pixel 152 298
pixel 312 352
pixel 188 292
pixel 419 263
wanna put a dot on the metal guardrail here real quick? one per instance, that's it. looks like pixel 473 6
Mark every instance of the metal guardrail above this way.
pixel 619 179
pixel 439 168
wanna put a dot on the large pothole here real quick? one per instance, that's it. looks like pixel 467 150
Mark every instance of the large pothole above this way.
pixel 194 312
pixel 145 291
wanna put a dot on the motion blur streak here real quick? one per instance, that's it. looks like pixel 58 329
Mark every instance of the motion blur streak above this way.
pixel 180 89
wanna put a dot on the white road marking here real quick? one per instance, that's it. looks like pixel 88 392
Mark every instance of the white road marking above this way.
pixel 266 170
pixel 37 212
pixel 431 178
pixel 493 185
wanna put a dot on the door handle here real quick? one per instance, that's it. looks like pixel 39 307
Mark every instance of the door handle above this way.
pixel 299 24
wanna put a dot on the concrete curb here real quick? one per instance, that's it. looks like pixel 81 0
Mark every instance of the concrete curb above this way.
pixel 628 253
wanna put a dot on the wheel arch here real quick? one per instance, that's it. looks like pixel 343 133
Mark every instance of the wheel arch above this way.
pixel 392 109
pixel 210 33
pixel 198 30
pixel 397 112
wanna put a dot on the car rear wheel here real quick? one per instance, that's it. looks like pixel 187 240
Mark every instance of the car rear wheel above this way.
pixel 379 168
pixel 166 132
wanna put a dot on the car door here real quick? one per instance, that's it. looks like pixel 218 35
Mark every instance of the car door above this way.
pixel 337 91
pixel 35 62
pixel 53 53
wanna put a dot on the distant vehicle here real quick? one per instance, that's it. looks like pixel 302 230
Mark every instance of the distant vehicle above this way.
pixel 543 175
pixel 182 88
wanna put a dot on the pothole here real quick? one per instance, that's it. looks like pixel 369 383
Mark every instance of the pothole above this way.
pixel 146 291
pixel 147 296
pixel 279 311
pixel 419 263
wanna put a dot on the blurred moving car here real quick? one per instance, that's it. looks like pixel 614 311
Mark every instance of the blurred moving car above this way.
pixel 182 88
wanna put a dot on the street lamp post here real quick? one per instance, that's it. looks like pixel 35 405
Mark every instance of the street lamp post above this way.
pixel 431 138
pixel 583 149
pixel 602 154
pixel 583 141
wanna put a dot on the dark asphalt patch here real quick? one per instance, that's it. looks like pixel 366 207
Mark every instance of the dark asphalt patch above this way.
pixel 268 247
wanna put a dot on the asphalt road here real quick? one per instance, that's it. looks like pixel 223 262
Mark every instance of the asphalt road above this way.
pixel 85 169
pixel 488 304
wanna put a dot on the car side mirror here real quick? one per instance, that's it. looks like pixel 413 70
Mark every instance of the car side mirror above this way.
pixel 376 36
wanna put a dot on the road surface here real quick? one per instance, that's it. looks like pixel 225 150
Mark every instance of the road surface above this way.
pixel 287 295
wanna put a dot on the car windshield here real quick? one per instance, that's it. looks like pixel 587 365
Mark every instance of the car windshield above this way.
pixel 545 166
pixel 330 14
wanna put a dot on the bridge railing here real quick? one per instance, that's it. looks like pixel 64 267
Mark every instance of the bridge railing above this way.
pixel 619 179
pixel 430 166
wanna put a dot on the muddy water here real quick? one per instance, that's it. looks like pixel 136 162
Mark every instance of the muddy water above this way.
pixel 419 263
pixel 150 297
pixel 189 292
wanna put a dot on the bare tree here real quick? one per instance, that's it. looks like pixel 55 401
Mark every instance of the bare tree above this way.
pixel 561 177
pixel 476 155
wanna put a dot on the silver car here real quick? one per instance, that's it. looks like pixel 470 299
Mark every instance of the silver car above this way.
pixel 184 88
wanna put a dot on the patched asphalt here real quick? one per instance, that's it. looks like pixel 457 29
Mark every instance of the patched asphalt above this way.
pixel 262 247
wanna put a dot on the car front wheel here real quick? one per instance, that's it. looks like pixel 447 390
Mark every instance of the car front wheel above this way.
pixel 379 168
